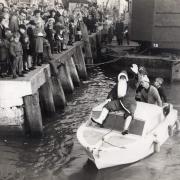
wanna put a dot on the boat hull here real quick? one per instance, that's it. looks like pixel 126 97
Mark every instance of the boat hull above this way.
pixel 107 147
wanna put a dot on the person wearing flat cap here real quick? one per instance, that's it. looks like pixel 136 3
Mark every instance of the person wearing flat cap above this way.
pixel 119 98
pixel 149 93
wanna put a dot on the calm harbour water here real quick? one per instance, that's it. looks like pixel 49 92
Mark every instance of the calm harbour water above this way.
pixel 59 156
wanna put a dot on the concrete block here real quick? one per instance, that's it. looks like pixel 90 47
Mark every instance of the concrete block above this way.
pixel 11 116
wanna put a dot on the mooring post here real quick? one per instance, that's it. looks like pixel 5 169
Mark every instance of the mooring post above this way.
pixel 65 77
pixel 87 46
pixel 98 44
pixel 93 46
pixel 33 114
pixel 57 90
pixel 80 63
pixel 73 71
pixel 46 95
pixel 58 93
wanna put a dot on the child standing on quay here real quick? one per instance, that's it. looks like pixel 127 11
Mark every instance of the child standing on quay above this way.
pixel 16 53
pixel 59 36
pixel 39 34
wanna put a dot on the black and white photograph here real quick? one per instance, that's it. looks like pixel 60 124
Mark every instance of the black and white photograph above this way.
pixel 89 89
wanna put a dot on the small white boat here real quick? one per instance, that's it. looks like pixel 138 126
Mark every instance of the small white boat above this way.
pixel 107 147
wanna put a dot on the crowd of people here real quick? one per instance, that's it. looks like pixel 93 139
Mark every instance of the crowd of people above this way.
pixel 115 28
pixel 29 35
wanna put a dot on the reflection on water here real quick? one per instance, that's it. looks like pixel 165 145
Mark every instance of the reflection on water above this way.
pixel 58 155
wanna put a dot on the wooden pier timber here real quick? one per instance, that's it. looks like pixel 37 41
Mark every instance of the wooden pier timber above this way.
pixel 26 100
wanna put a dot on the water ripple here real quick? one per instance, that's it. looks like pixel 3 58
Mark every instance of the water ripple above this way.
pixel 58 155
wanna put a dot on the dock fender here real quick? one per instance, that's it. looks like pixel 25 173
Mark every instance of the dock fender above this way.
pixel 96 152
pixel 170 130
pixel 156 144
pixel 97 149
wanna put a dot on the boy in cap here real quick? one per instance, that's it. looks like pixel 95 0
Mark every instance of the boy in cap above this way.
pixel 119 99
pixel 16 53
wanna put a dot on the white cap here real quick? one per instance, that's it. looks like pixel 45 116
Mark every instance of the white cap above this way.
pixel 123 73
pixel 145 79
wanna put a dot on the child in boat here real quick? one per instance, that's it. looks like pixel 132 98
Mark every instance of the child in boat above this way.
pixel 139 72
pixel 119 98
pixel 158 84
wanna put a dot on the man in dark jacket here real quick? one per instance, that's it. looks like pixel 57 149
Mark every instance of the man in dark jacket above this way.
pixel 2 27
pixel 119 30
pixel 3 48
pixel 119 98
pixel 30 32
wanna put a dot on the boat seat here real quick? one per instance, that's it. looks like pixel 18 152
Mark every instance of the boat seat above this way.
pixel 115 121
pixel 145 113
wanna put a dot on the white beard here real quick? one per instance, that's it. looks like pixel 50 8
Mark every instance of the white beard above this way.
pixel 121 88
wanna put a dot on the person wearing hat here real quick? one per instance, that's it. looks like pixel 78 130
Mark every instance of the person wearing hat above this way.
pixel 119 31
pixel 37 18
pixel 1 7
pixel 2 27
pixel 14 21
pixel 52 13
pixel 139 73
pixel 59 36
pixel 149 93
pixel 3 53
pixel 22 16
pixel 16 53
pixel 24 39
pixel 30 32
pixel 39 34
pixel 49 29
pixel 158 84
pixel 6 15
pixel 119 98
pixel 71 31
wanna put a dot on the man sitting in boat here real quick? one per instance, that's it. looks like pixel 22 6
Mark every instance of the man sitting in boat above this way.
pixel 119 98
pixel 149 93
pixel 158 84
